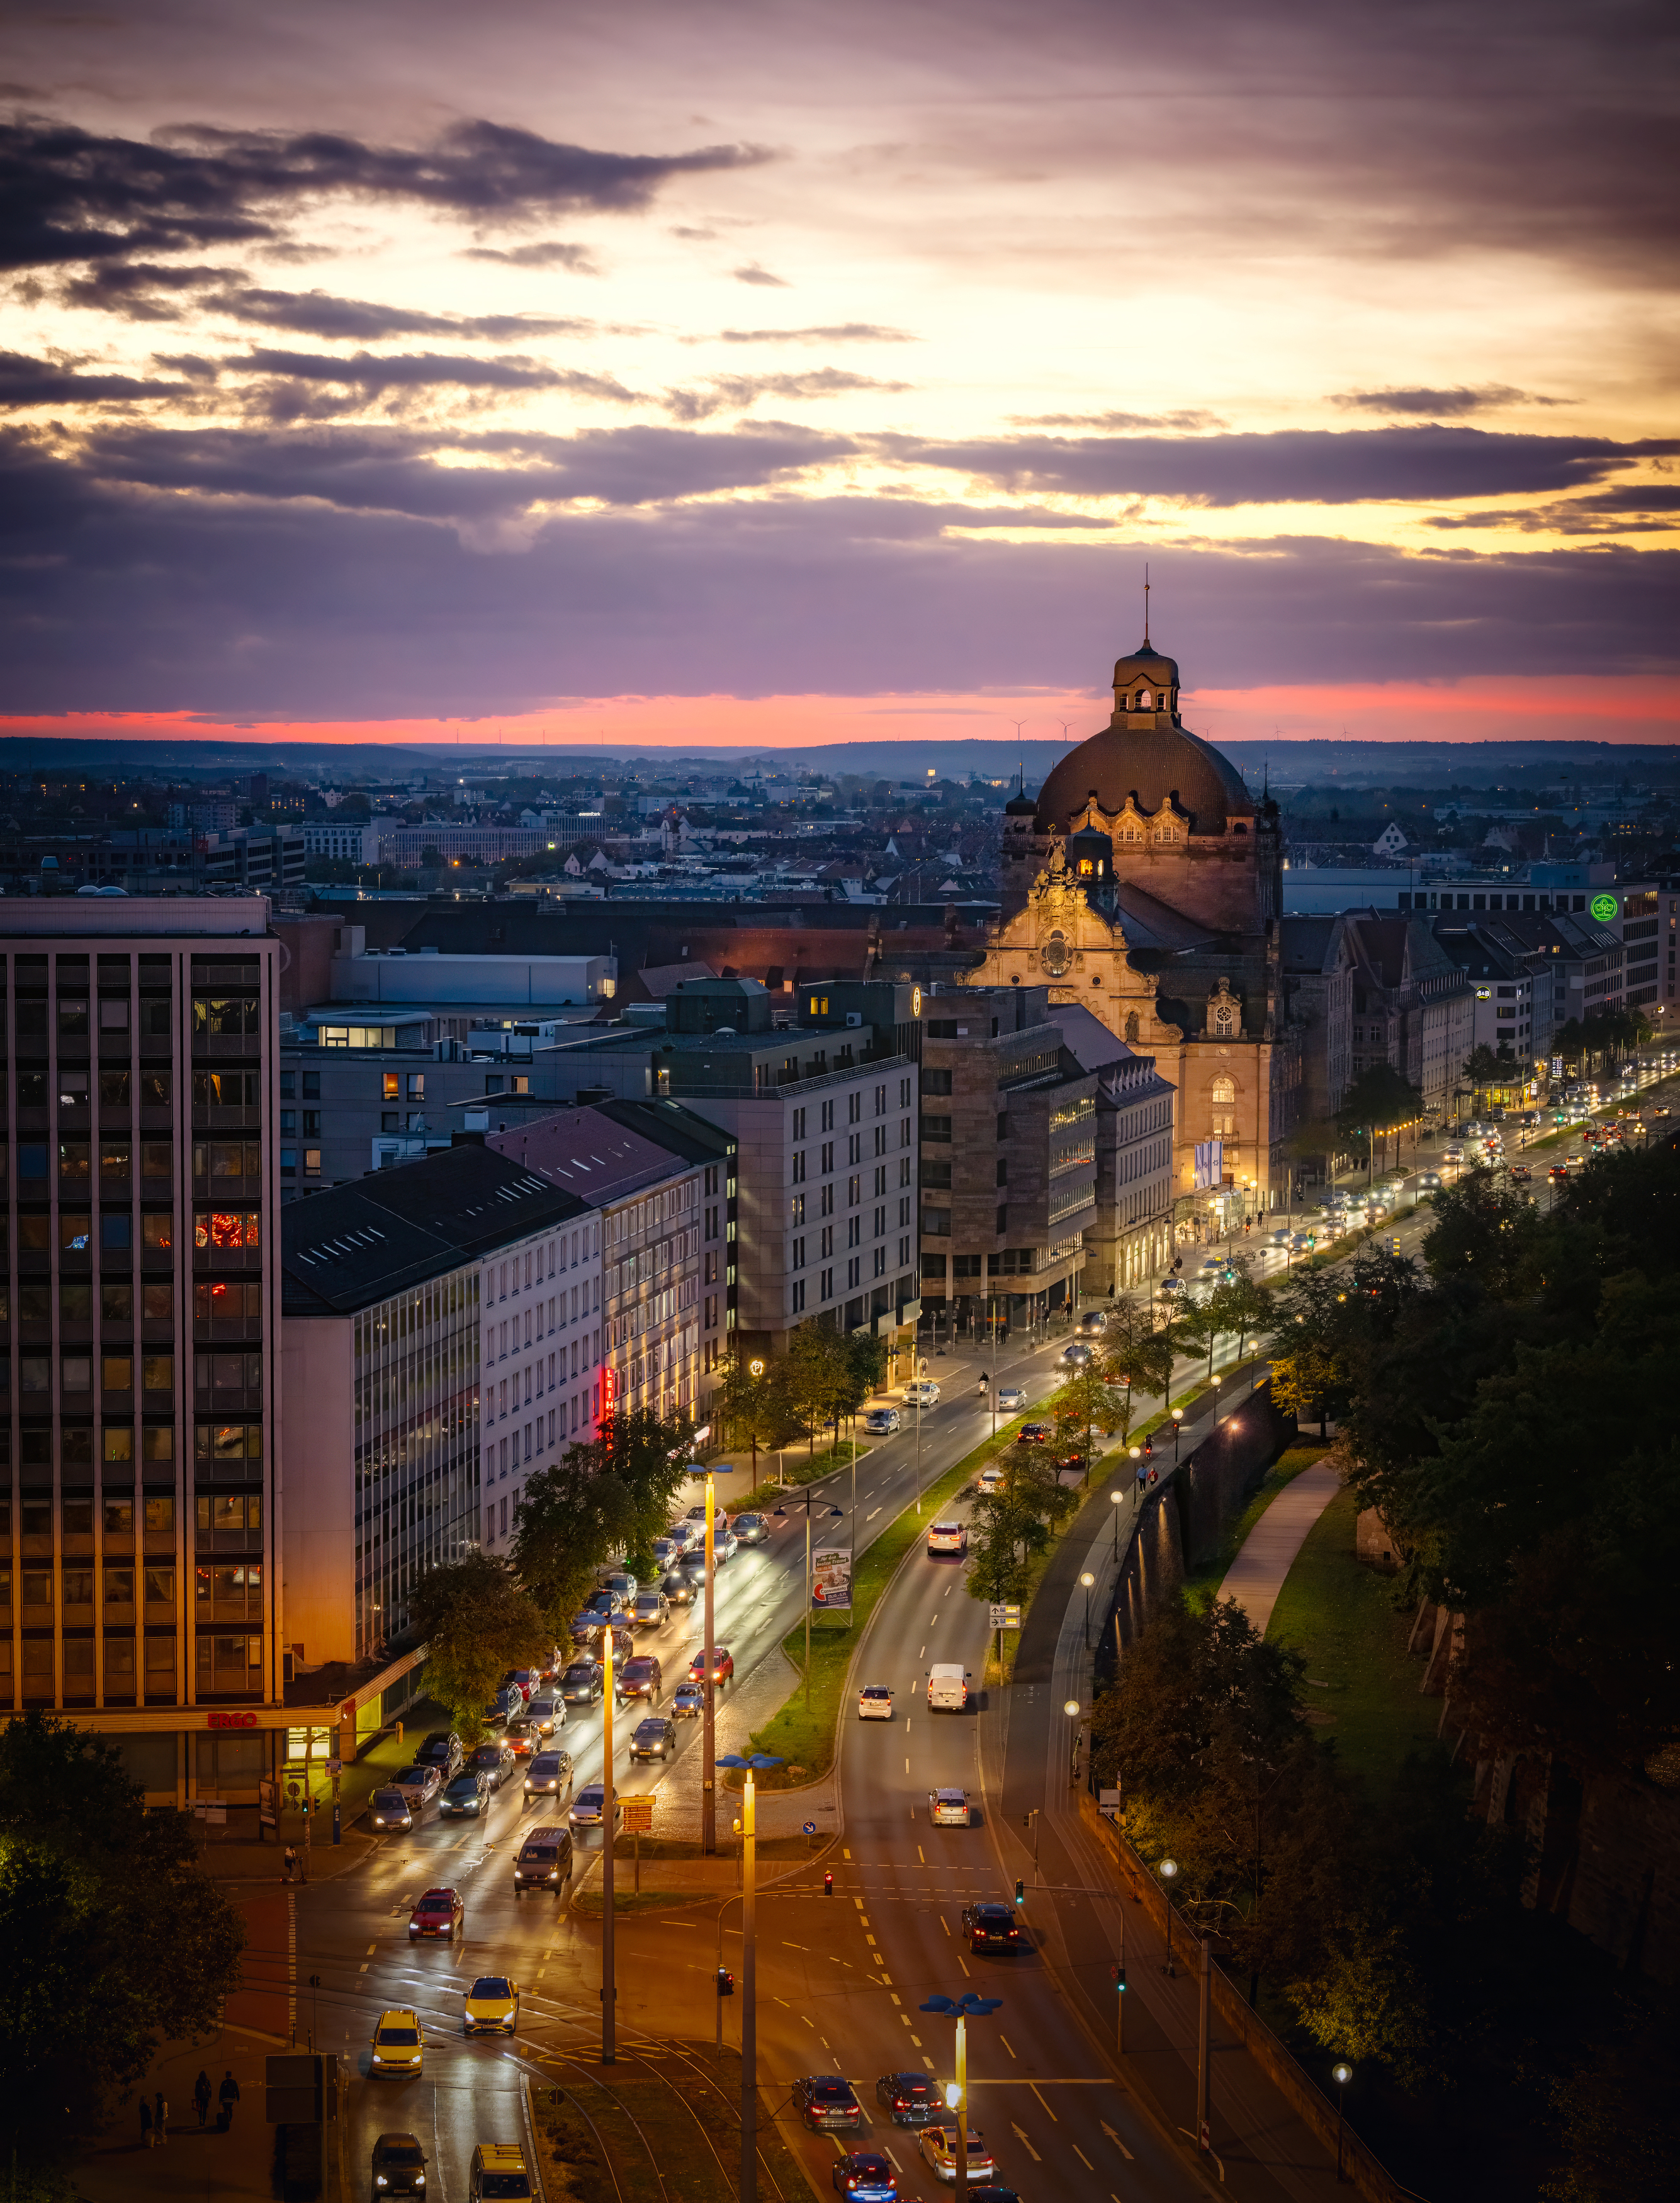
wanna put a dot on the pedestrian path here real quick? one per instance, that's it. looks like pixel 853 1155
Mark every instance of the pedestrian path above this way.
pixel 1268 1553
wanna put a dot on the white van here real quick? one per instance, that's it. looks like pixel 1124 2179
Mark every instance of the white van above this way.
pixel 947 1689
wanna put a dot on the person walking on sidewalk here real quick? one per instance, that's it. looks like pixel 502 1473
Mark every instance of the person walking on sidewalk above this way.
pixel 160 2118
pixel 146 2124
pixel 288 1865
pixel 230 2096
pixel 201 2096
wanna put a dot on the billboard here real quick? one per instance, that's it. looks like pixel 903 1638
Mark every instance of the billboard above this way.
pixel 832 1579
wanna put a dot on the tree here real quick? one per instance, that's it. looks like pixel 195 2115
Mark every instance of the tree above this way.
pixel 568 1521
pixel 1241 1305
pixel 1378 1101
pixel 647 1454
pixel 816 1376
pixel 117 1941
pixel 1307 1381
pixel 1201 1326
pixel 1091 1398
pixel 1139 1351
pixel 475 1623
pixel 753 1409
pixel 1483 1069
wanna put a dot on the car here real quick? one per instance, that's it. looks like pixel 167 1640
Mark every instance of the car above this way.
pixel 442 1748
pixel 909 2100
pixel 1521 1175
pixel 1093 1322
pixel 654 1739
pixel 466 1796
pixel 583 1683
pixel 992 1927
pixel 1070 1464
pixel 666 1553
pixel 607 1602
pixel 545 1714
pixel 652 1610
pixel 697 1516
pixel 678 1587
pixel 947 1537
pixel 749 1529
pixel 420 1785
pixel 947 1687
pixel 588 1808
pixel 938 2149
pixel 882 1422
pixel 688 1702
pixel 724 1544
pixel 1011 1399
pixel 543 1860
pixel 692 1568
pixel 874 1703
pixel 494 1715
pixel 1430 1181
pixel 825 2101
pixel 398 2051
pixel 685 1534
pixel 990 1479
pixel 390 1809
pixel 549 1774
pixel 1172 1287
pixel 495 1761
pixel 723 1664
pixel 490 2005
pixel 525 1681
pixel 520 1741
pixel 867 2175
pixel 1079 1353
pixel 922 1393
pixel 499 2171
pixel 438 1916
pixel 623 1585
pixel 949 1809
pixel 1035 1434
pixel 640 1677
pixel 399 2165
pixel 1558 1171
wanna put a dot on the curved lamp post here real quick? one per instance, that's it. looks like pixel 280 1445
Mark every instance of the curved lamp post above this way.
pixel 1341 2073
pixel 962 2010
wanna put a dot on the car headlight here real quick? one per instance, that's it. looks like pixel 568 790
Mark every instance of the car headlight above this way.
pixel 380 2181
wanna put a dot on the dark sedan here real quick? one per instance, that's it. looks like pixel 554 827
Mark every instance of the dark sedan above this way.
pixel 654 1739
pixel 639 1678
pixel 866 2177
pixel 495 1761
pixel 908 2099
pixel 991 1928
pixel 399 2165
pixel 583 1683
pixel 466 1796
pixel 825 2101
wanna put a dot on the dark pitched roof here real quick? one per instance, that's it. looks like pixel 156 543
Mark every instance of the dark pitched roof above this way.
pixel 354 1244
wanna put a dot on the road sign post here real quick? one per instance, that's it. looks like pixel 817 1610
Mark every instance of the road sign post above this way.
pixel 639 1820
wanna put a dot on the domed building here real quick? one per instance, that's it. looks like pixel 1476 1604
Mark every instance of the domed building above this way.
pixel 1145 885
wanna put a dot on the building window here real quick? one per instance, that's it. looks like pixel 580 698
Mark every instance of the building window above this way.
pixel 799 1297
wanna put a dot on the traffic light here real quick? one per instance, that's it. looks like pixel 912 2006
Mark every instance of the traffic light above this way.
pixel 828 1884
pixel 726 1981
pixel 1120 1980
pixel 1020 1892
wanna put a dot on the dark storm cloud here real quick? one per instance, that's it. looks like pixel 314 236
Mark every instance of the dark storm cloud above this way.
pixel 551 253
pixel 835 333
pixel 133 599
pixel 148 292
pixel 377 469
pixel 1285 466
pixel 735 393
pixel 1441 405
pixel 25 381
pixel 67 195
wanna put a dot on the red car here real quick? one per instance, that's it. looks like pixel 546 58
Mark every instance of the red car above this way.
pixel 440 1913
pixel 723 1664
pixel 519 1743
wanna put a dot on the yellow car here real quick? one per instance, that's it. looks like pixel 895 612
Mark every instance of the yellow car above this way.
pixel 492 2004
pixel 397 2047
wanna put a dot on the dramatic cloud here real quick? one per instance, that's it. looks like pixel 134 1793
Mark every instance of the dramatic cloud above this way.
pixel 1442 404
pixel 25 381
pixel 67 195
pixel 735 393
pixel 1288 466
pixel 551 253
pixel 147 292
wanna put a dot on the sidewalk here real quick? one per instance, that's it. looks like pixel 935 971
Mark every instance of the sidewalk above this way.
pixel 1268 1553
pixel 191 2166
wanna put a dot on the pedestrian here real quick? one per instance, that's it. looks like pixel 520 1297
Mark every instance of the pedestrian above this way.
pixel 230 2096
pixel 160 2118
pixel 201 2096
pixel 146 2124
pixel 288 1865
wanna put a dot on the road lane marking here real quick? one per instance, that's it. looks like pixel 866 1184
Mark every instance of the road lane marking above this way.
pixel 1082 2158
pixel 1004 2040
pixel 922 1855
pixel 1035 2088
pixel 1020 2134
pixel 1117 2140
pixel 963 1963
pixel 944 1924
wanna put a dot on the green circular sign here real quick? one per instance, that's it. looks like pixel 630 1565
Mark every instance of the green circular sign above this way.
pixel 1603 908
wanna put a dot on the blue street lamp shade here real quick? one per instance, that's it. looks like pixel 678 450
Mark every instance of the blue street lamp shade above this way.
pixel 968 2006
pixel 757 1761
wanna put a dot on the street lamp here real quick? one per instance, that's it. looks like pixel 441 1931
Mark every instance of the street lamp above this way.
pixel 1341 2074
pixel 780 1515
pixel 755 1370
pixel 1177 1421
pixel 1217 1382
pixel 1073 1710
pixel 1167 1869
pixel 962 2009
pixel 749 2093
pixel 1088 1579
pixel 1117 1499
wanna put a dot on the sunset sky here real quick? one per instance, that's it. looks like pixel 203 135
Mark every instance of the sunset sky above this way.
pixel 769 373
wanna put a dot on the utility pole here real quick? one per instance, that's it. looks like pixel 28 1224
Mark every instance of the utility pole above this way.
pixel 1203 2078
pixel 749 2031
pixel 708 1779
pixel 609 1989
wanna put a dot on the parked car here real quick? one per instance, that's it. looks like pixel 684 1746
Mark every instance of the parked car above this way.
pixel 825 2101
pixel 882 1422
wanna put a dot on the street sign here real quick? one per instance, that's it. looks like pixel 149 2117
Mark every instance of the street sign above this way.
pixel 638 1815
pixel 1006 1616
pixel 810 1827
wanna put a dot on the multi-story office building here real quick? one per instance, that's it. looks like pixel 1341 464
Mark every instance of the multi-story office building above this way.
pixel 1576 968
pixel 140 1429
pixel 443 1341
pixel 1512 987
pixel 1009 1157
pixel 1130 1240
pixel 347 841
pixel 1413 1008
pixel 661 1180
pixel 823 1115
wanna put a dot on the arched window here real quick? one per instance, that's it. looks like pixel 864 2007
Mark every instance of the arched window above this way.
pixel 1224 1021
pixel 1144 699
pixel 1224 1089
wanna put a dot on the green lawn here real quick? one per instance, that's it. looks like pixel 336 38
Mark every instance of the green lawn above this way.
pixel 1201 1584
pixel 1342 1614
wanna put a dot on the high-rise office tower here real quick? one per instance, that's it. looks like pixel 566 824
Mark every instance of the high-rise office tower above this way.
pixel 140 1313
